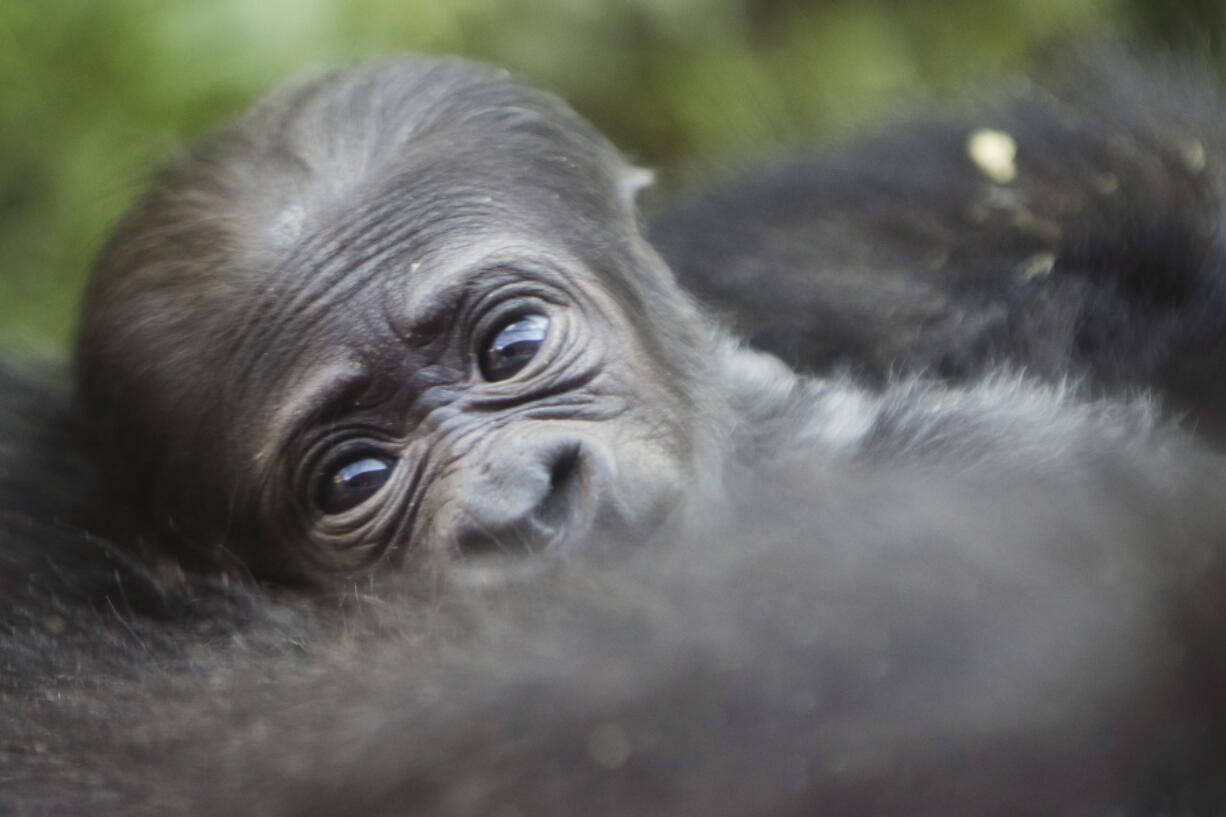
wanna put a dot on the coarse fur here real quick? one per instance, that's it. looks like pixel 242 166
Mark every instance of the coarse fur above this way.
pixel 1070 227
pixel 917 621
pixel 908 598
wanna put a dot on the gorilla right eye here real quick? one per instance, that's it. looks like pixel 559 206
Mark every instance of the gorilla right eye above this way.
pixel 512 346
pixel 353 483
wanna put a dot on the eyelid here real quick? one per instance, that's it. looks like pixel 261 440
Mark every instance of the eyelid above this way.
pixel 318 396
pixel 432 314
pixel 500 308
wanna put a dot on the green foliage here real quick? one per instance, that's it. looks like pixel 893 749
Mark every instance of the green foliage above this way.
pixel 94 94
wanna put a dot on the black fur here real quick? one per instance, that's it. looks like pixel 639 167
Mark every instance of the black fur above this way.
pixel 919 599
pixel 1035 632
pixel 1101 258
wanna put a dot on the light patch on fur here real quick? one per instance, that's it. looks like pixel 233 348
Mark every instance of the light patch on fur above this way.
pixel 827 414
pixel 994 153
pixel 633 181
pixel 1192 152
pixel 1038 265
pixel 608 746
pixel 757 373
pixel 288 224
pixel 1006 418
pixel 842 416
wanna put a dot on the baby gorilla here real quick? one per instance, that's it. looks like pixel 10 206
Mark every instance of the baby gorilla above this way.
pixel 397 315
pixel 403 316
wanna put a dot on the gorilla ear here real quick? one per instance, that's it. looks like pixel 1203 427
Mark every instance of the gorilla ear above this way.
pixel 634 179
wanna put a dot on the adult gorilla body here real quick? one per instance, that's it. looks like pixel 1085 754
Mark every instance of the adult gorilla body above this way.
pixel 1070 229
pixel 402 317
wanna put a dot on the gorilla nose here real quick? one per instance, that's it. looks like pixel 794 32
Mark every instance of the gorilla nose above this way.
pixel 527 498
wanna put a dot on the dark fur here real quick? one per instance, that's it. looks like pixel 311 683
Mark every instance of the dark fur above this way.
pixel 1038 633
pixel 1103 258
pixel 921 600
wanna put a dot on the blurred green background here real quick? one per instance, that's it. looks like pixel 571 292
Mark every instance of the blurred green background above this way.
pixel 93 94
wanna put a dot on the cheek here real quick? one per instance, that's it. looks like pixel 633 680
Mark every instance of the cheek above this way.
pixel 653 451
pixel 651 468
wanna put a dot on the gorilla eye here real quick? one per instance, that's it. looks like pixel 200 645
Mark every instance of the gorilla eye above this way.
pixel 353 483
pixel 511 347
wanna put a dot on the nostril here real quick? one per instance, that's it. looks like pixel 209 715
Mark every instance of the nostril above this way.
pixel 559 503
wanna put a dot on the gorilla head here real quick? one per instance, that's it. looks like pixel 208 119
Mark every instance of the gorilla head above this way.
pixel 395 314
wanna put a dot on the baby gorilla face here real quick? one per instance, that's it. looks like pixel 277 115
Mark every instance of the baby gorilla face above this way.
pixel 489 403
pixel 400 314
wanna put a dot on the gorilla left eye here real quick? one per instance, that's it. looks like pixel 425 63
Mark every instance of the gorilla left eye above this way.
pixel 353 483
pixel 512 346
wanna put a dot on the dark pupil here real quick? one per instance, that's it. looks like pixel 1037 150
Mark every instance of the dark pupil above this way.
pixel 513 346
pixel 354 483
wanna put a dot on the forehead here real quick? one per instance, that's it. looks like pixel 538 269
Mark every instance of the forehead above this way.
pixel 356 197
pixel 352 291
pixel 429 223
pixel 327 219
pixel 424 135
